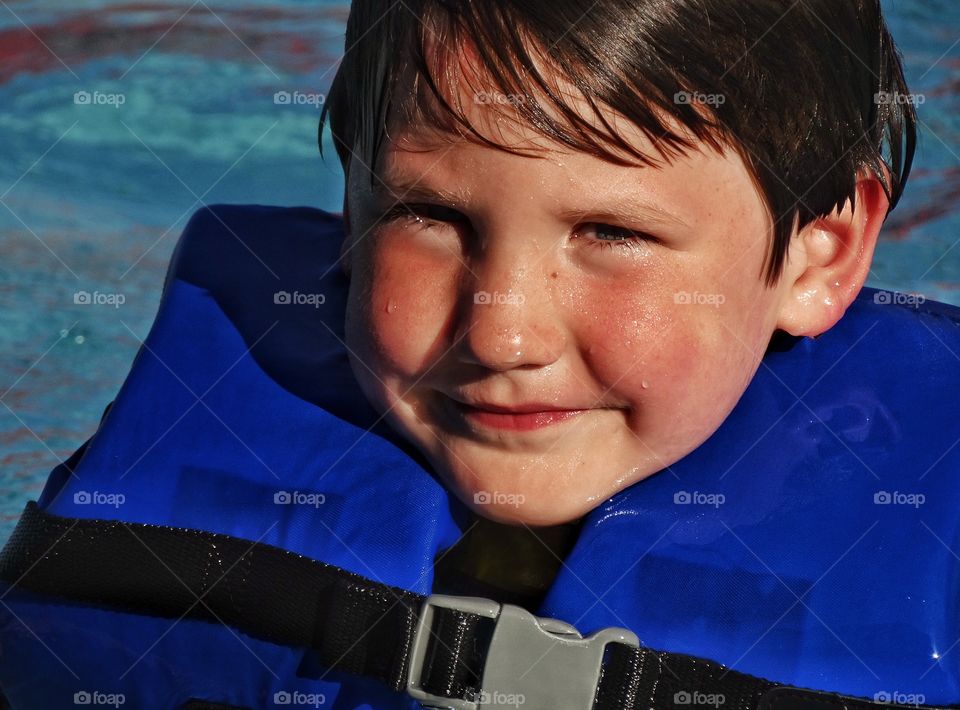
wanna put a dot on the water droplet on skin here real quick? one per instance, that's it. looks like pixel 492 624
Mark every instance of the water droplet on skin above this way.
pixel 510 356
pixel 391 307
pixel 644 384
pixel 79 340
pixel 64 333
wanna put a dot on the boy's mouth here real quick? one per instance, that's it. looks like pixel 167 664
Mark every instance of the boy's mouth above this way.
pixel 524 416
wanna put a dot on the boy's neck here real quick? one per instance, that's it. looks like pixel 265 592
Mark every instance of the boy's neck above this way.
pixel 514 565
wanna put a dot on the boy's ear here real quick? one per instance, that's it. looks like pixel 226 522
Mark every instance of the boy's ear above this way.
pixel 346 262
pixel 829 260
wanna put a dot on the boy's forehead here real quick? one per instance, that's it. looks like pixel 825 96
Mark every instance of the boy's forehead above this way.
pixel 421 151
pixel 495 118
pixel 416 143
pixel 498 115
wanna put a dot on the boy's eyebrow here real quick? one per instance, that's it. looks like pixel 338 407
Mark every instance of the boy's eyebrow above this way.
pixel 618 208
pixel 625 211
pixel 402 191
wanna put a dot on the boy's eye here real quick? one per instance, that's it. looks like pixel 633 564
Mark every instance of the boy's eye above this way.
pixel 595 234
pixel 422 215
pixel 605 236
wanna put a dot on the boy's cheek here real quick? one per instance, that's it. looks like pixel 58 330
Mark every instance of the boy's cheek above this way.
pixel 681 366
pixel 400 310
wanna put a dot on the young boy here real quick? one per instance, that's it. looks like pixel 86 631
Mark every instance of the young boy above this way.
pixel 573 231
pixel 585 243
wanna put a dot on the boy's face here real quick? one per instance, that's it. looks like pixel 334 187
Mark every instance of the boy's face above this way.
pixel 522 290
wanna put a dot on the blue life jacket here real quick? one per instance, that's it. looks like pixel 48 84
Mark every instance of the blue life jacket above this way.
pixel 812 540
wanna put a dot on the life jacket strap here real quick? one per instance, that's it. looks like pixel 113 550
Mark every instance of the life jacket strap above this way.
pixel 448 652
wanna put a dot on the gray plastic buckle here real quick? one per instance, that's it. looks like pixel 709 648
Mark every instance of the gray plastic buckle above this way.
pixel 532 662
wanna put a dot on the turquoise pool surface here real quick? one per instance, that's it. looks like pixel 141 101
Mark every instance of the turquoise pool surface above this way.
pixel 95 188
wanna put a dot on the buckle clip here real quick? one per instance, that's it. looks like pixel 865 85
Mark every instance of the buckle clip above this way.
pixel 532 662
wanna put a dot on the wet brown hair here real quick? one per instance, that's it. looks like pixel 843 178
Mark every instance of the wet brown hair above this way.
pixel 808 92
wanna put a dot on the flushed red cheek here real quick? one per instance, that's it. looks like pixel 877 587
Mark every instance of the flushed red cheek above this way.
pixel 662 365
pixel 621 337
pixel 407 312
pixel 650 354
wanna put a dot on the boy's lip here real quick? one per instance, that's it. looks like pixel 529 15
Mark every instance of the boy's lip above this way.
pixel 527 416
pixel 520 408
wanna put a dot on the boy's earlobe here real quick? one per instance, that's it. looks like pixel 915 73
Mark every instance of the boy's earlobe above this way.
pixel 829 261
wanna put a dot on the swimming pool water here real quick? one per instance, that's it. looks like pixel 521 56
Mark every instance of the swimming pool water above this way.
pixel 93 194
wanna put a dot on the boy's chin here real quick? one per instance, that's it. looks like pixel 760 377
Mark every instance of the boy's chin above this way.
pixel 517 510
pixel 541 498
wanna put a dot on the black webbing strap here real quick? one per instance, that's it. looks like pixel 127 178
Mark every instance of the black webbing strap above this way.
pixel 266 592
pixel 354 625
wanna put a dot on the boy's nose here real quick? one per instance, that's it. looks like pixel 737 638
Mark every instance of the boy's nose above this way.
pixel 509 315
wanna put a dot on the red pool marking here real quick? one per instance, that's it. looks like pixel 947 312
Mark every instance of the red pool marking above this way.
pixel 83 37
pixel 941 197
